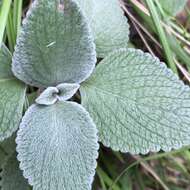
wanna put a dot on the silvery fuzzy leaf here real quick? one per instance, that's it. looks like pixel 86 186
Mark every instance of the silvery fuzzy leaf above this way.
pixel 48 96
pixel 12 178
pixel 61 92
pixel 57 147
pixel 12 96
pixel 55 45
pixel 138 104
pixel 108 23
pixel 67 90
pixel 88 8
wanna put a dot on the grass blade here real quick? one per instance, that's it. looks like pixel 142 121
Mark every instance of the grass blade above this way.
pixel 17 12
pixel 161 33
pixel 3 17
pixel 10 32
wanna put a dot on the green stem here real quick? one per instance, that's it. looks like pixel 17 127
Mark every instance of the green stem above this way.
pixel 161 33
pixel 6 4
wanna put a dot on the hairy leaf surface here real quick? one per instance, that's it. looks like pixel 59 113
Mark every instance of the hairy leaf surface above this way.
pixel 108 23
pixel 55 45
pixel 12 177
pixel 12 96
pixel 57 147
pixel 66 90
pixel 61 92
pixel 173 7
pixel 137 103
pixel 48 96
pixel 5 62
pixel 87 6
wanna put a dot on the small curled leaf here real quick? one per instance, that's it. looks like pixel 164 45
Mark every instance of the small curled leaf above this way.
pixel 62 92
pixel 48 96
pixel 66 90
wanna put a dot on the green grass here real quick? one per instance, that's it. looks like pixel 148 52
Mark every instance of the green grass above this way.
pixel 161 33
pixel 10 19
pixel 6 4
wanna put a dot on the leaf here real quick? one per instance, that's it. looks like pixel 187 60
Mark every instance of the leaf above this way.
pixel 62 92
pixel 137 103
pixel 5 62
pixel 66 91
pixel 87 6
pixel 48 96
pixel 12 178
pixel 57 147
pixel 7 147
pixel 173 7
pixel 55 45
pixel 108 23
pixel 12 96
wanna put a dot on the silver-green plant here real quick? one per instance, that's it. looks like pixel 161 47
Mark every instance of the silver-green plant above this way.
pixel 130 102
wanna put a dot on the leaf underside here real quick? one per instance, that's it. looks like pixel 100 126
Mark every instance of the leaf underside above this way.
pixel 55 45
pixel 108 23
pixel 173 7
pixel 138 104
pixel 57 147
pixel 12 178
pixel 12 96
